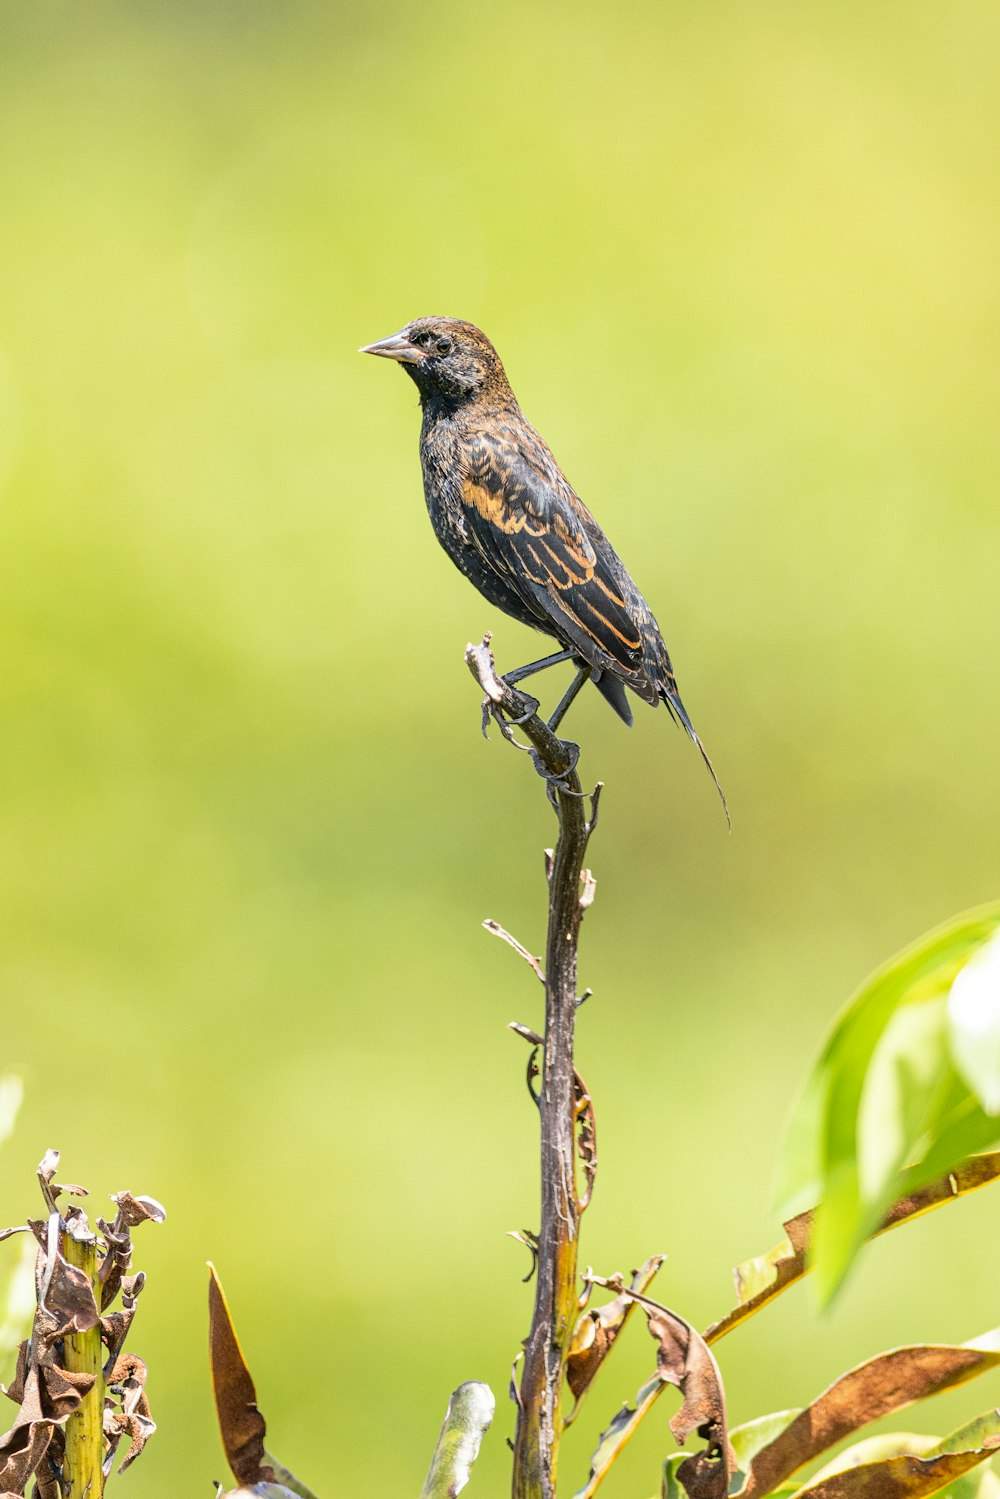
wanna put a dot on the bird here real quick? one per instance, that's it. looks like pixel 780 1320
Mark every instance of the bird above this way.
pixel 512 523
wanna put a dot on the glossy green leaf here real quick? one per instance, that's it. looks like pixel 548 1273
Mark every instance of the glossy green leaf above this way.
pixel 827 1138
pixel 974 1025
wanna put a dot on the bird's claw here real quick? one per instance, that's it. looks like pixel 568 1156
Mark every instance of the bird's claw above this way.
pixel 529 712
pixel 492 710
pixel 559 781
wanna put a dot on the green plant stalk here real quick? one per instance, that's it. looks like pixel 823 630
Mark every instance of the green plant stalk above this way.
pixel 82 1473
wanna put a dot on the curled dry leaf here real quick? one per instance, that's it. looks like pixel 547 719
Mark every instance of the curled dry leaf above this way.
pixel 597 1329
pixel 586 1140
pixel 69 1296
pixel 684 1359
pixel 48 1166
pixel 135 1210
pixel 760 1280
pixel 24 1447
pixel 890 1382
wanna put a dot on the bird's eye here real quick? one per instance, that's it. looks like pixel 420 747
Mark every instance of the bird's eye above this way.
pixel 444 345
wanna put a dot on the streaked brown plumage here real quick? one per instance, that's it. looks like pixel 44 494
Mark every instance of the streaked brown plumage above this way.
pixel 511 522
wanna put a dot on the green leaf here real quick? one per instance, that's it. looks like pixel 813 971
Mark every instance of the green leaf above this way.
pixel 619 1433
pixel 748 1439
pixel 824 1144
pixel 974 1025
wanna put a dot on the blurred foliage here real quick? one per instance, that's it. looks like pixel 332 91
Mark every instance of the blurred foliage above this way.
pixel 740 262
pixel 885 1111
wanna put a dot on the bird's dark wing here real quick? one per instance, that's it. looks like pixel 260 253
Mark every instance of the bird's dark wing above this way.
pixel 530 527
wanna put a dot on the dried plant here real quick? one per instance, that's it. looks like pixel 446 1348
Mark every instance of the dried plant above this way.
pixel 79 1394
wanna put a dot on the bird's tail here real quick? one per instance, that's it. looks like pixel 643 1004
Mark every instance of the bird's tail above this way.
pixel 677 710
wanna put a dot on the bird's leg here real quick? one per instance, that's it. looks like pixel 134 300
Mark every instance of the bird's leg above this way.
pixel 520 672
pixel 583 672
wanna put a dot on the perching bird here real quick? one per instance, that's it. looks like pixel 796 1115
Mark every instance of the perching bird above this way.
pixel 510 521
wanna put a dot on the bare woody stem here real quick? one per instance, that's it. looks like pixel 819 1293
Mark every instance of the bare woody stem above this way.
pixel 539 1418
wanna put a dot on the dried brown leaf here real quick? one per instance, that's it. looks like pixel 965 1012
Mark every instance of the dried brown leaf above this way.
pixel 684 1359
pixel 889 1382
pixel 586 1139
pixel 48 1166
pixel 905 1477
pixel 23 1447
pixel 63 1390
pixel 70 1297
pixel 114 1330
pixel 15 1390
pixel 597 1329
pixel 240 1422
pixel 135 1210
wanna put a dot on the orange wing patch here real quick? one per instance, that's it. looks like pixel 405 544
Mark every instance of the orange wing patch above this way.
pixel 492 506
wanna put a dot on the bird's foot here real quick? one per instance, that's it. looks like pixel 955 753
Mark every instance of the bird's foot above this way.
pixel 492 710
pixel 559 780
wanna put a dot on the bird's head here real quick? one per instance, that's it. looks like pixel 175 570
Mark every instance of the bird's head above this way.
pixel 445 358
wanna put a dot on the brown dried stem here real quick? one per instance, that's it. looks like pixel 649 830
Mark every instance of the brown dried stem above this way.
pixel 539 1418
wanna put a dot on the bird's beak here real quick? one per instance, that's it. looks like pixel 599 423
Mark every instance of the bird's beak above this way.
pixel 397 347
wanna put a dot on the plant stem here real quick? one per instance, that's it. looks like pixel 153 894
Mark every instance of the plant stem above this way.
pixel 84 1355
pixel 539 1419
pixel 539 1423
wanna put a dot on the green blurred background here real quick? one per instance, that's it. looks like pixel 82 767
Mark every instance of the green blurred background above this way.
pixel 741 262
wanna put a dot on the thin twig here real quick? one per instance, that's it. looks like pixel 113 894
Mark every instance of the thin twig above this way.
pixel 496 930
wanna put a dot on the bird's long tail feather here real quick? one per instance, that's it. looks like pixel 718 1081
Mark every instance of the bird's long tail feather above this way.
pixel 677 710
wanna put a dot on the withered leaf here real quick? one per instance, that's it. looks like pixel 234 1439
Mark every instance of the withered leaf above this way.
pixel 760 1280
pixel 597 1329
pixel 586 1139
pixel 135 1210
pixel 240 1422
pixel 23 1447
pixel 114 1331
pixel 684 1359
pixel 63 1390
pixel 889 1382
pixel 70 1296
pixel 15 1390
pixel 48 1166
pixel 905 1477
